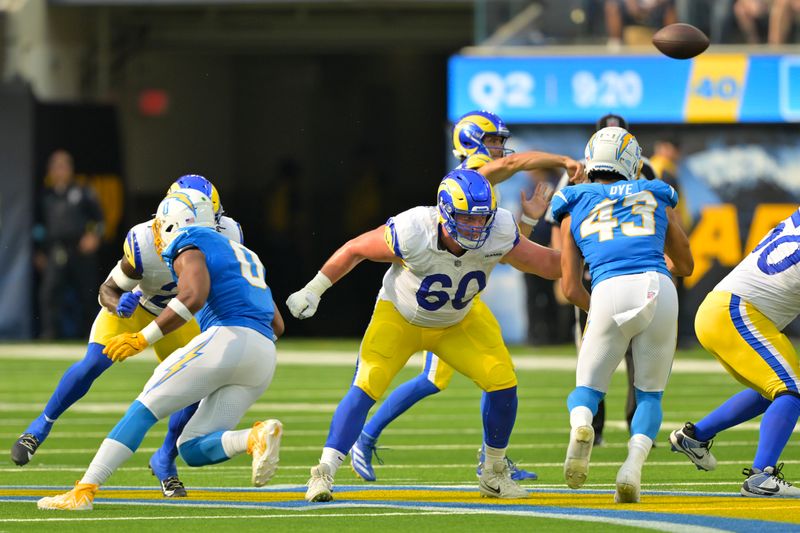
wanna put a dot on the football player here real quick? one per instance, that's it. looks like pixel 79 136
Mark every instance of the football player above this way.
pixel 138 288
pixel 226 367
pixel 622 228
pixel 441 259
pixel 479 139
pixel 649 173
pixel 741 323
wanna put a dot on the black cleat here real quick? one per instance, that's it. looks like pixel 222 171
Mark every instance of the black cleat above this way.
pixel 22 451
pixel 172 487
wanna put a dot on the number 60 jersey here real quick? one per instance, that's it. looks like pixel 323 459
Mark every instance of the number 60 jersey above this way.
pixel 432 287
pixel 769 277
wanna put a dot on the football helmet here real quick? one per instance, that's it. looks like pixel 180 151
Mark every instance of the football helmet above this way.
pixel 465 192
pixel 199 183
pixel 181 209
pixel 615 150
pixel 609 120
pixel 470 130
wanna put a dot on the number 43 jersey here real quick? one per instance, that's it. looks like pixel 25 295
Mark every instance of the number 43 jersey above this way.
pixel 431 287
pixel 238 294
pixel 619 227
pixel 769 277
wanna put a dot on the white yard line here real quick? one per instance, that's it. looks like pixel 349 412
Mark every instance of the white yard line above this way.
pixel 532 361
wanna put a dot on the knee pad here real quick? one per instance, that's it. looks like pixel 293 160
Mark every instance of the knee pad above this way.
pixel 373 380
pixel 500 376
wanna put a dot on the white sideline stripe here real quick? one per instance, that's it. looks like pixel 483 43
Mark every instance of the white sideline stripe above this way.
pixel 122 407
pixel 416 466
pixel 527 361
pixel 305 512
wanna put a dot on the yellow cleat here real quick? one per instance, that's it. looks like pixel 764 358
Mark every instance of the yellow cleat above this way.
pixel 78 499
pixel 264 443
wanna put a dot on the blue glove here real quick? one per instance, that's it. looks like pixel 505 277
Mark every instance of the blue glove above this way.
pixel 127 303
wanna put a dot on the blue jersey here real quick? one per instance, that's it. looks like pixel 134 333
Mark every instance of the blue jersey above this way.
pixel 620 227
pixel 238 295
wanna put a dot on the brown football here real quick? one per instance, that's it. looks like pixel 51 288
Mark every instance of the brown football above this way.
pixel 680 41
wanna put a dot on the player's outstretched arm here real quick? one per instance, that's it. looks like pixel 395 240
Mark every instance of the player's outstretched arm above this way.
pixel 503 168
pixel 533 258
pixel 370 245
pixel 114 293
pixel 194 284
pixel 676 247
pixel 572 268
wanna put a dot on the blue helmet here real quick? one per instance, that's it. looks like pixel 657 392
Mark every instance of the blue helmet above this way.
pixel 469 131
pixel 466 192
pixel 199 183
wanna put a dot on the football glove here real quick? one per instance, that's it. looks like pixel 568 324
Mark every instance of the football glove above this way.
pixel 124 345
pixel 303 303
pixel 128 303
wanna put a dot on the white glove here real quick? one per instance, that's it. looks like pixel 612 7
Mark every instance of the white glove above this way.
pixel 303 303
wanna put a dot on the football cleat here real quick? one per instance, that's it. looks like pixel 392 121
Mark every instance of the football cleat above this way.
pixel 576 465
pixel 320 484
pixel 171 487
pixel 629 481
pixel 496 482
pixel 361 457
pixel 768 483
pixel 22 451
pixel 264 444
pixel 80 498
pixel 699 452
pixel 517 473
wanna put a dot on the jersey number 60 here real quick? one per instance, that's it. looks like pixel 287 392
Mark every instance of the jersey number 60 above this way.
pixel 432 300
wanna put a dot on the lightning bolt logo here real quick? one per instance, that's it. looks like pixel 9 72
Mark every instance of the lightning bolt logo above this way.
pixel 182 362
pixel 184 199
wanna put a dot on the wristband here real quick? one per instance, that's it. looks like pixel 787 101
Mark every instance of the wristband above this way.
pixel 152 332
pixel 525 219
pixel 180 309
pixel 122 280
pixel 319 284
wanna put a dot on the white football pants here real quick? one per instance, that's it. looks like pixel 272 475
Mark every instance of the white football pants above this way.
pixel 225 368
pixel 641 309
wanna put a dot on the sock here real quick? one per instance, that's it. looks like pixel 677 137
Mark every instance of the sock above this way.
pixel 108 458
pixel 586 397
pixel 776 428
pixel 163 460
pixel 499 410
pixel 333 458
pixel 74 384
pixel 398 402
pixel 739 408
pixel 132 428
pixel 348 419
pixel 639 447
pixel 205 450
pixel 648 415
pixel 493 455
pixel 580 416
pixel 235 442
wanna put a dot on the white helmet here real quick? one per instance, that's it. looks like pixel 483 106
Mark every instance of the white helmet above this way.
pixel 180 209
pixel 614 150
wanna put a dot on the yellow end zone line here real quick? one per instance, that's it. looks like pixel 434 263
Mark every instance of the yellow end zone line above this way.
pixel 719 506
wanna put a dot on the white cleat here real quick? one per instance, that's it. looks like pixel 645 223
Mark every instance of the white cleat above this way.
pixel 576 465
pixel 80 498
pixel 698 451
pixel 767 484
pixel 629 482
pixel 320 484
pixel 496 482
pixel 264 444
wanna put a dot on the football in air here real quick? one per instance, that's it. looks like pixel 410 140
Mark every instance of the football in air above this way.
pixel 680 41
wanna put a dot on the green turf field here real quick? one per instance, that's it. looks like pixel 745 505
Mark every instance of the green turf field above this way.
pixel 430 453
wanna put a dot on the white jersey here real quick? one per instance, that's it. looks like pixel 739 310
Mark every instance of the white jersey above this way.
pixel 769 277
pixel 157 285
pixel 432 287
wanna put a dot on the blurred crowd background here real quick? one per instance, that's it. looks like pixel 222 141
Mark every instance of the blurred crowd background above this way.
pixel 317 120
